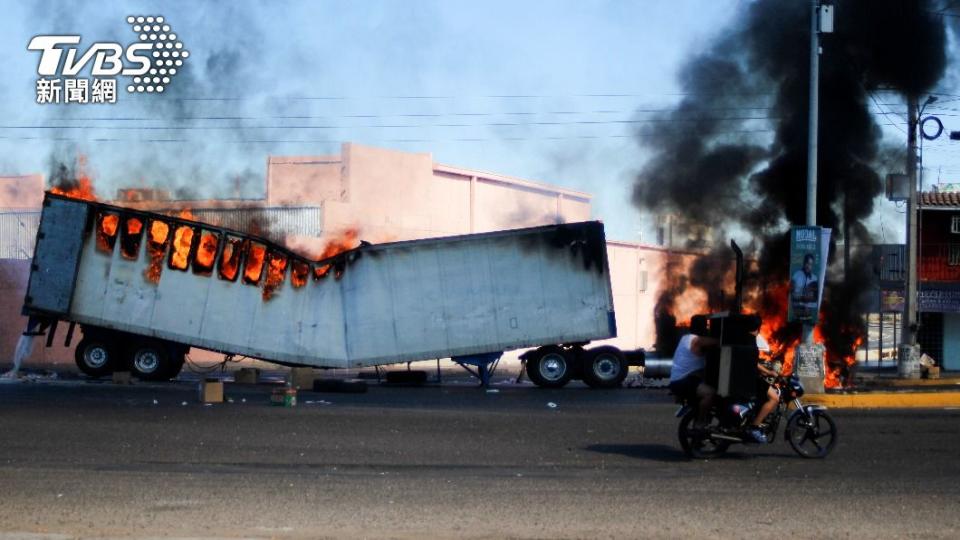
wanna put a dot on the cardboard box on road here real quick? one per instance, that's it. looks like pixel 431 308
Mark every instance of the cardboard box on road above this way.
pixel 211 391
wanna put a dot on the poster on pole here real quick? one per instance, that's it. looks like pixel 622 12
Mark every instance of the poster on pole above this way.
pixel 808 268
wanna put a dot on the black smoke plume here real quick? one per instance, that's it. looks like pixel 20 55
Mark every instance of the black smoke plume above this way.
pixel 733 154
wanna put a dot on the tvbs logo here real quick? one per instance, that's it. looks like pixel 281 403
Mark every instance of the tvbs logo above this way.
pixel 150 63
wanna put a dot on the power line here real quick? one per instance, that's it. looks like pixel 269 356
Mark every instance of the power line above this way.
pixel 337 141
pixel 493 96
pixel 398 115
pixel 873 98
pixel 394 126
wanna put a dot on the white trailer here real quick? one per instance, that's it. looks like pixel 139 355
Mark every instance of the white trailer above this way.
pixel 145 287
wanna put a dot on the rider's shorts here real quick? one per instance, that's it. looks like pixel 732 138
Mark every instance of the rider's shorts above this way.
pixel 686 387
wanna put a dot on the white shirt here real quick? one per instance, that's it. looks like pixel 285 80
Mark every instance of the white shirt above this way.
pixel 762 344
pixel 685 361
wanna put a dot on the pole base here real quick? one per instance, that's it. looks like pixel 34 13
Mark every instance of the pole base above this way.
pixel 808 362
pixel 908 366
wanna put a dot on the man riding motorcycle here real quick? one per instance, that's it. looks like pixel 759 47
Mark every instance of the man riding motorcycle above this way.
pixel 687 371
pixel 687 376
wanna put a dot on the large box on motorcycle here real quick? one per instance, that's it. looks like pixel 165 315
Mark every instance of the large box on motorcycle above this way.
pixel 732 328
pixel 732 370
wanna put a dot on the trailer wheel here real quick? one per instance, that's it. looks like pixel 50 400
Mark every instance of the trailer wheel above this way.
pixel 95 357
pixel 150 361
pixel 549 367
pixel 604 367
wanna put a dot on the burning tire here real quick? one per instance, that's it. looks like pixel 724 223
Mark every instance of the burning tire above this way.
pixel 549 367
pixel 151 361
pixel 604 367
pixel 95 357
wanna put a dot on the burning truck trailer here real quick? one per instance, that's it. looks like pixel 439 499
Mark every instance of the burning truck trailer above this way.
pixel 145 288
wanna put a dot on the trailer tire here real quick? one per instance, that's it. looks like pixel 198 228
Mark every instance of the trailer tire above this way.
pixel 150 361
pixel 95 357
pixel 604 367
pixel 549 367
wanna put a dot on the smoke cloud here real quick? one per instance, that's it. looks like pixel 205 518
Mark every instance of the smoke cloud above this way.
pixel 733 156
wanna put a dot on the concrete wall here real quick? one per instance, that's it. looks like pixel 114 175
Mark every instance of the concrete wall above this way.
pixel 21 192
pixel 389 195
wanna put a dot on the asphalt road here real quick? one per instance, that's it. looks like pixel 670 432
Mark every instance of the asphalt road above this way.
pixel 99 460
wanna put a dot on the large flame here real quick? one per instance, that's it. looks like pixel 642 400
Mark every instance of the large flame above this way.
pixel 81 187
pixel 345 241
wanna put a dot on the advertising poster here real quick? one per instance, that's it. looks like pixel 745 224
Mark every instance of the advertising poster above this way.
pixel 808 268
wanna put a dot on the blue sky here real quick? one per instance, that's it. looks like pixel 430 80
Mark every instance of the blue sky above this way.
pixel 540 90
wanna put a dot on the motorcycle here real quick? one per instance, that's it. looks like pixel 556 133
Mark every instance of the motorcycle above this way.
pixel 810 430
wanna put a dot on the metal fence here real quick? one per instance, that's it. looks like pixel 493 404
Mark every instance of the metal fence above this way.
pixel 18 233
pixel 272 222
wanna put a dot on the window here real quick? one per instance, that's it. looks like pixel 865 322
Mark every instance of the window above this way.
pixel 130 237
pixel 157 240
pixel 253 266
pixel 642 282
pixel 180 251
pixel 107 231
pixel 955 224
pixel 953 255
pixel 206 253
pixel 230 258
pixel 298 274
pixel 276 271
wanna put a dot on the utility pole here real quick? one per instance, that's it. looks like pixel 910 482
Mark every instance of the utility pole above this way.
pixel 810 354
pixel 813 121
pixel 814 113
pixel 909 366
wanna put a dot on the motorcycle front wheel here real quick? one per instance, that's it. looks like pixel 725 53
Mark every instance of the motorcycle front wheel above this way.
pixel 811 433
pixel 697 443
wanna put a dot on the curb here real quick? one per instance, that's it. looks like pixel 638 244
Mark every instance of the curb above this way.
pixel 886 400
pixel 945 381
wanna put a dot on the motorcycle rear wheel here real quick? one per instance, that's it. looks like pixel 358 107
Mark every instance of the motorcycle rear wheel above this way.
pixel 696 445
pixel 812 435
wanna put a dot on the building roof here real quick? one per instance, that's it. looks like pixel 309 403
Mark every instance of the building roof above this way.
pixel 939 198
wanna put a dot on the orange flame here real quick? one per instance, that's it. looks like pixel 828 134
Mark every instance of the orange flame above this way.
pixel 79 188
pixel 276 266
pixel 254 266
pixel 182 239
pixel 299 273
pixel 130 240
pixel 107 232
pixel 346 241
pixel 134 226
pixel 206 253
pixel 230 259
pixel 156 247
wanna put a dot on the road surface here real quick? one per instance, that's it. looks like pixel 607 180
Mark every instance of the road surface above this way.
pixel 98 460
